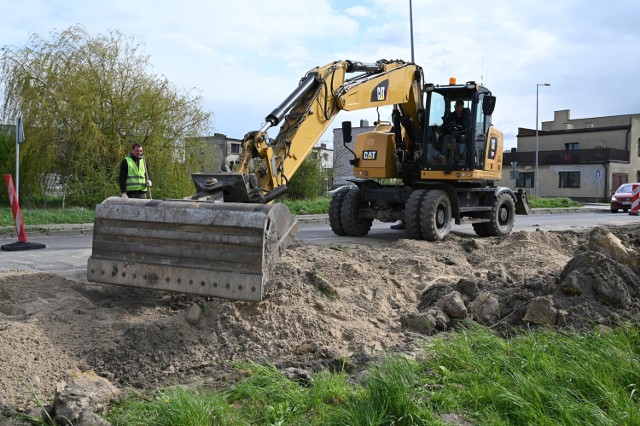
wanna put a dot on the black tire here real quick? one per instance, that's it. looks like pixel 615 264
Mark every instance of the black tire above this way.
pixel 435 215
pixel 481 229
pixel 335 205
pixel 502 216
pixel 614 210
pixel 352 225
pixel 412 214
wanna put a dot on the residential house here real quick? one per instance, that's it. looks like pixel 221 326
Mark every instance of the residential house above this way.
pixel 212 153
pixel 584 159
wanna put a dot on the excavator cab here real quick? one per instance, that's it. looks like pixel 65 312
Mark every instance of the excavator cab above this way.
pixel 459 121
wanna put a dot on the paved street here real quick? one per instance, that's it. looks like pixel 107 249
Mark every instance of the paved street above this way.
pixel 69 246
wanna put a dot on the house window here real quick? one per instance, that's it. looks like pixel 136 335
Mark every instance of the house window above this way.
pixel 573 146
pixel 571 151
pixel 525 180
pixel 569 180
pixel 235 148
pixel 638 147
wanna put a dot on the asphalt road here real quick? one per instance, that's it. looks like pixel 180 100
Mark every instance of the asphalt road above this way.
pixel 68 248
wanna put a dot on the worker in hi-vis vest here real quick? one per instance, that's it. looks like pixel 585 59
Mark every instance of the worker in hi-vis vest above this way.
pixel 134 174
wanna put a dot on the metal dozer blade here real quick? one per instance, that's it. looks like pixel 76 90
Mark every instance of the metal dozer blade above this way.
pixel 202 247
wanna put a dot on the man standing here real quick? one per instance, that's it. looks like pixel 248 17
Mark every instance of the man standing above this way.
pixel 134 174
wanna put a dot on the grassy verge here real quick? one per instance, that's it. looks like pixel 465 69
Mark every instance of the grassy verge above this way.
pixel 48 216
pixel 541 378
pixel 557 202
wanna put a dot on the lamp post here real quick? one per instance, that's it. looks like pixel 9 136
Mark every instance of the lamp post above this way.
pixel 411 29
pixel 537 143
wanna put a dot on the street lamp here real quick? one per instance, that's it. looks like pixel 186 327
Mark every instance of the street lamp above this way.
pixel 537 143
pixel 411 29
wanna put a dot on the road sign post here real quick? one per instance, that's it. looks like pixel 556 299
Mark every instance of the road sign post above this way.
pixel 19 140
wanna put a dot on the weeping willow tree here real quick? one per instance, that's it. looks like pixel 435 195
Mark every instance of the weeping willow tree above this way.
pixel 85 101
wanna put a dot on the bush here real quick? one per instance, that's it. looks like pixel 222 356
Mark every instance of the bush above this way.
pixel 307 183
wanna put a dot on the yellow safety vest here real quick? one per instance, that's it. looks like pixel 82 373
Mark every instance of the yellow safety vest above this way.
pixel 136 176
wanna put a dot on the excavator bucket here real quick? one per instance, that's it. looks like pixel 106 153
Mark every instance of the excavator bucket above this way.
pixel 522 204
pixel 206 248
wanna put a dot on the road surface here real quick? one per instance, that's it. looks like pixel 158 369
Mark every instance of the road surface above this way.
pixel 67 255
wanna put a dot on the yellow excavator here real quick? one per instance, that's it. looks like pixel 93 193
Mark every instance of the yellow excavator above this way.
pixel 423 167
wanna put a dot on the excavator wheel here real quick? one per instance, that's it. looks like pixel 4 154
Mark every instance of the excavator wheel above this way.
pixel 481 229
pixel 502 217
pixel 412 214
pixel 335 205
pixel 353 225
pixel 435 215
pixel 205 248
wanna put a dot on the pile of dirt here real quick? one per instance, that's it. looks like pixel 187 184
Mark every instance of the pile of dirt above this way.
pixel 326 307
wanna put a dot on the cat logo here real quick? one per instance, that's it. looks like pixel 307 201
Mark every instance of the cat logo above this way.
pixel 369 155
pixel 380 92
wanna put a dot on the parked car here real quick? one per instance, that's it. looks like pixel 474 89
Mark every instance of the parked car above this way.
pixel 621 199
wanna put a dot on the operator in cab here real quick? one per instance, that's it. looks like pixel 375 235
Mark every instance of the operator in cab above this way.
pixel 455 125
pixel 460 117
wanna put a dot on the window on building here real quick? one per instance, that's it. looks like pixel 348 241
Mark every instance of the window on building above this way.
pixel 638 176
pixel 573 146
pixel 235 148
pixel 325 156
pixel 569 180
pixel 525 180
pixel 638 147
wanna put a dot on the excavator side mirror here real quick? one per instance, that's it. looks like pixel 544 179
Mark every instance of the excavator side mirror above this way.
pixel 346 132
pixel 488 105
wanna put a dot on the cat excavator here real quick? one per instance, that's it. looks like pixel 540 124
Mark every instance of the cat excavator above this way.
pixel 421 167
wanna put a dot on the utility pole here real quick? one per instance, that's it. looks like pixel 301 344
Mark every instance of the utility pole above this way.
pixel 411 30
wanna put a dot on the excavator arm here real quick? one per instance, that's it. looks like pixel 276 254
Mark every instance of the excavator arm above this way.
pixel 304 116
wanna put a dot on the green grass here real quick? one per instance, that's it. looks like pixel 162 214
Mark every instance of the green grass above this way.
pixel 319 205
pixel 557 202
pixel 533 378
pixel 48 216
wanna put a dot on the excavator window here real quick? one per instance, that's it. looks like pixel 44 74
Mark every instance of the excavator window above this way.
pixel 451 140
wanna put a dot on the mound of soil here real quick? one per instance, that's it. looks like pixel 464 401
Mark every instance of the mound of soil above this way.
pixel 325 307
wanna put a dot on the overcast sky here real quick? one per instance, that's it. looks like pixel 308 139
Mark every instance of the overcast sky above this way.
pixel 245 56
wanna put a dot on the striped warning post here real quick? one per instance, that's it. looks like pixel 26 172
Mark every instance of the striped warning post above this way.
pixel 22 243
pixel 635 199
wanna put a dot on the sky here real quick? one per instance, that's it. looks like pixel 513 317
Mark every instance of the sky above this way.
pixel 244 57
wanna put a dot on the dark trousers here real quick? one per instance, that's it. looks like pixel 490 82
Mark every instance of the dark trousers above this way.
pixel 137 194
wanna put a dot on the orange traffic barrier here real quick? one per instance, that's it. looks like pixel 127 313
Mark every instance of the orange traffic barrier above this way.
pixel 635 199
pixel 22 243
